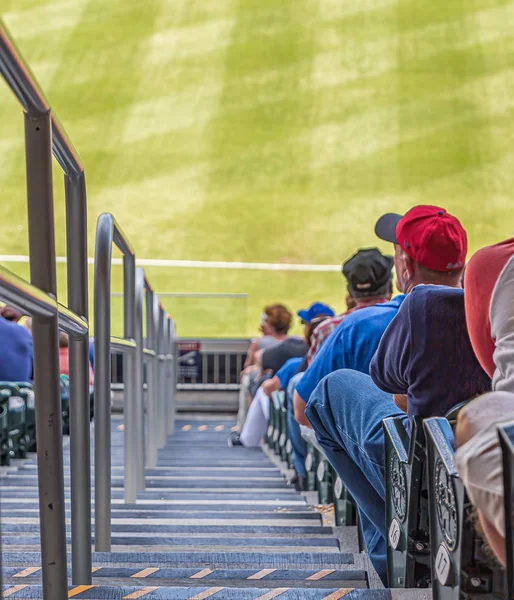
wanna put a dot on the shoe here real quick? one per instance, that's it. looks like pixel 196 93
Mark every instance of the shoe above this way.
pixel 234 439
pixel 300 485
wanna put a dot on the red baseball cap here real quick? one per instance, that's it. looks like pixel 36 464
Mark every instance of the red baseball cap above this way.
pixel 429 235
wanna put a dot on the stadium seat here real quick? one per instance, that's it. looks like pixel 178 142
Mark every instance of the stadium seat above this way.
pixel 4 434
pixel 275 423
pixel 16 424
pixel 65 403
pixel 26 391
pixel 282 440
pixel 407 523
pixel 408 548
pixel 460 567
pixel 344 504
pixel 311 465
pixel 325 480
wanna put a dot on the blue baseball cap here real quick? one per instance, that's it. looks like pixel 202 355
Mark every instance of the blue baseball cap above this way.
pixel 317 309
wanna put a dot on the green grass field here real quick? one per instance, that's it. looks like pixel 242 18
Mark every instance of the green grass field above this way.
pixel 267 130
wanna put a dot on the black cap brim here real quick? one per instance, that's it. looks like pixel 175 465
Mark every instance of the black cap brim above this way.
pixel 385 227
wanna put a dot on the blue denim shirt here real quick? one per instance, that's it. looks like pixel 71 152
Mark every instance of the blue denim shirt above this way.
pixel 350 346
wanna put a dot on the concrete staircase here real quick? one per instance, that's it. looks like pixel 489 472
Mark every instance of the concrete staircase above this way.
pixel 215 522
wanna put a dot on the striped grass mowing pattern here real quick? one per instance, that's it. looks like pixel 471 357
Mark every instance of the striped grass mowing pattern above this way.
pixel 268 130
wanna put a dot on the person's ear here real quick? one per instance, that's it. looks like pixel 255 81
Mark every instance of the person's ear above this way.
pixel 409 266
pixel 402 269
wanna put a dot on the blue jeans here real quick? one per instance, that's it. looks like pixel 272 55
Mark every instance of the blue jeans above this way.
pixel 346 411
pixel 295 435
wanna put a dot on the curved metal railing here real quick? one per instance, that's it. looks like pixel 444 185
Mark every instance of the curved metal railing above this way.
pixel 160 411
pixel 44 135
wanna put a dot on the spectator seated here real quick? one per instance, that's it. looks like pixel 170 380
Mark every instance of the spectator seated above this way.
pixel 461 567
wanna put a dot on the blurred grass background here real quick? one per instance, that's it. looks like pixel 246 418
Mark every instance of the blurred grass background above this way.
pixel 267 131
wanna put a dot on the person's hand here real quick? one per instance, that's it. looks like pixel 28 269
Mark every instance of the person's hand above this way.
pixel 401 401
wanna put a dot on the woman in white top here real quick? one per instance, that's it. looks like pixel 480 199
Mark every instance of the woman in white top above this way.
pixel 275 324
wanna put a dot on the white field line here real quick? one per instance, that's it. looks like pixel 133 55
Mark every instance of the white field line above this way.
pixel 194 264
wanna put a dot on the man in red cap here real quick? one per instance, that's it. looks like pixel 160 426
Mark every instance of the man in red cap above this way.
pixel 423 362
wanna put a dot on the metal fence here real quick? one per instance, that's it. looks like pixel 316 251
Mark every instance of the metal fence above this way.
pixel 44 134
pixel 208 364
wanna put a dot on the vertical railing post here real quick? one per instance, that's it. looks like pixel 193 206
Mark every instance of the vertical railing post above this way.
pixel 174 363
pixel 102 329
pixel 138 381
pixel 129 380
pixel 152 388
pixel 80 464
pixel 169 376
pixel 161 424
pixel 46 363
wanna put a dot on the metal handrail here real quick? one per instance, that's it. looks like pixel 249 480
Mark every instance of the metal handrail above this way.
pixel 108 232
pixel 33 101
pixel 122 344
pixel 43 133
pixel 19 293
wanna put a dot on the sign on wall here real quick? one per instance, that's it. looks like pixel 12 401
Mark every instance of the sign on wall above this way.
pixel 190 360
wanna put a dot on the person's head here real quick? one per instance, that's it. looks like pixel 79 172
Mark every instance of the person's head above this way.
pixel 276 320
pixel 310 317
pixel 311 326
pixel 369 274
pixel 265 327
pixel 63 339
pixel 10 314
pixel 312 314
pixel 430 246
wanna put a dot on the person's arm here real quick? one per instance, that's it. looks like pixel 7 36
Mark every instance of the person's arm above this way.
pixel 502 329
pixel 250 355
pixel 299 410
pixel 329 358
pixel 271 385
pixel 389 368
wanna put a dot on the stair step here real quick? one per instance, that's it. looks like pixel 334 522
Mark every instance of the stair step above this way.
pixel 211 560
pixel 179 496
pixel 169 530
pixel 214 482
pixel 181 593
pixel 210 516
pixel 193 576
pixel 232 544
pixel 162 511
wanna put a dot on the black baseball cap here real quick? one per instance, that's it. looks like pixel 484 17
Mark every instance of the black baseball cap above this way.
pixel 385 227
pixel 367 271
